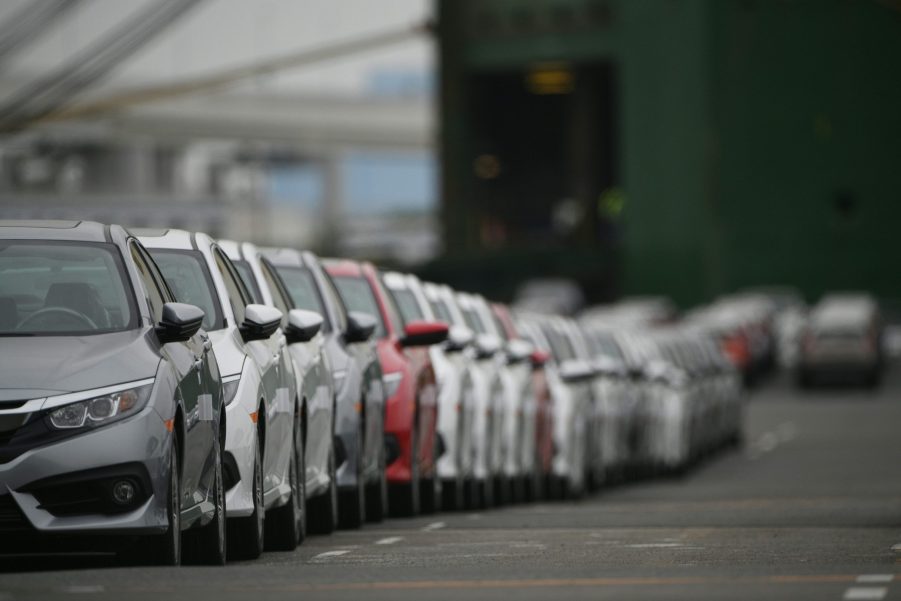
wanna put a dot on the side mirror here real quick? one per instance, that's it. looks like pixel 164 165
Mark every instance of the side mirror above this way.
pixel 424 333
pixel 575 371
pixel 360 327
pixel 518 350
pixel 539 358
pixel 260 322
pixel 180 321
pixel 458 338
pixel 302 325
pixel 487 346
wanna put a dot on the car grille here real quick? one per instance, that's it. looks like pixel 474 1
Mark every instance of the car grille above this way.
pixel 11 517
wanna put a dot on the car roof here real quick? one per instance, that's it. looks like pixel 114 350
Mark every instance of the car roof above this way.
pixel 342 267
pixel 171 238
pixel 86 231
pixel 287 257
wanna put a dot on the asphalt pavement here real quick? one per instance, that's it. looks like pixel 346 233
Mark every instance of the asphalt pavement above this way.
pixel 808 508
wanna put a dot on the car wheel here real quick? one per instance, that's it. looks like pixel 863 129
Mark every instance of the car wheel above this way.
pixel 405 496
pixel 246 535
pixel 352 508
pixel 286 525
pixel 453 494
pixel 164 549
pixel 430 490
pixel 324 507
pixel 207 545
pixel 377 494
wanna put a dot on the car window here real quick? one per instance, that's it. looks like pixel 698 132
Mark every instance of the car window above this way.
pixel 472 320
pixel 357 296
pixel 328 289
pixel 275 290
pixel 190 281
pixel 244 270
pixel 238 296
pixel 302 289
pixel 407 303
pixel 152 292
pixel 63 288
pixel 441 312
pixel 560 344
pixel 397 323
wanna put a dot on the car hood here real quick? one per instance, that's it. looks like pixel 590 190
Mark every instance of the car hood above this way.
pixel 33 367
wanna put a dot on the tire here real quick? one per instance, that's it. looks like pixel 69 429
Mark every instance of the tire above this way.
pixel 429 496
pixel 405 496
pixel 352 502
pixel 453 495
pixel 207 545
pixel 165 549
pixel 485 493
pixel 246 536
pixel 377 494
pixel 323 509
pixel 286 525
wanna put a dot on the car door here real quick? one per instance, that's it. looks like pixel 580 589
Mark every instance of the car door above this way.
pixel 271 356
pixel 364 367
pixel 196 373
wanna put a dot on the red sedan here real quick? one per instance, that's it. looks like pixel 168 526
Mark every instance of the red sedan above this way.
pixel 411 412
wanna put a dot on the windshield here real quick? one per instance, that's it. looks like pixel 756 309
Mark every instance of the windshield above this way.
pixel 406 302
pixel 472 320
pixel 188 277
pixel 63 288
pixel 441 312
pixel 357 296
pixel 299 283
pixel 250 282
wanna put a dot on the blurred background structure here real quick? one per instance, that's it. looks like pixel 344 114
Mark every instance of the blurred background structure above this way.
pixel 306 124
pixel 676 147
pixel 682 147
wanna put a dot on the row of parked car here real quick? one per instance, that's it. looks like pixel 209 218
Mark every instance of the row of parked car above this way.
pixel 170 396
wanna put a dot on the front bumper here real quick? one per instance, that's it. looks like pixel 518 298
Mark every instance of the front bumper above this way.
pixel 142 440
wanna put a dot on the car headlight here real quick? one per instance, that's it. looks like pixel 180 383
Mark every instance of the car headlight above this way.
pixel 391 382
pixel 230 390
pixel 100 410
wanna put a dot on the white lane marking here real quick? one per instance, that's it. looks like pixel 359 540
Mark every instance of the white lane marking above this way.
pixel 434 526
pixel 859 593
pixel 655 545
pixel 84 589
pixel 875 578
pixel 390 540
pixel 328 554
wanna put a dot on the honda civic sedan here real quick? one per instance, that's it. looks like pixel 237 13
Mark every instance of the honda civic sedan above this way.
pixel 411 412
pixel 316 390
pixel 360 453
pixel 112 420
pixel 264 439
